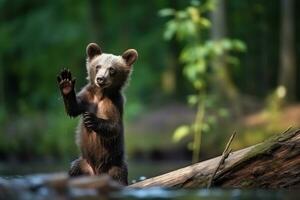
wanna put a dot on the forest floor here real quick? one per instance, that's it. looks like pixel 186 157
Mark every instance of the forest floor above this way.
pixel 290 116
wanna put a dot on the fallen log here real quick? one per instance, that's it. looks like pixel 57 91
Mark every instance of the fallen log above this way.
pixel 274 163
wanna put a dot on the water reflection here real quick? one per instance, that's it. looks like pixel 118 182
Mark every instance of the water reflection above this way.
pixel 139 171
pixel 207 194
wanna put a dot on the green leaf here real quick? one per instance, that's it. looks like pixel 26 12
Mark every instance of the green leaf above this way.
pixel 227 44
pixel 181 132
pixel 204 22
pixel 195 3
pixel 201 66
pixel 170 29
pixel 190 28
pixel 181 14
pixel 239 45
pixel 199 84
pixel 193 99
pixel 191 72
pixel 194 14
pixel 166 12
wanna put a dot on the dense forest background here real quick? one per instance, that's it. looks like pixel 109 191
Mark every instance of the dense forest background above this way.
pixel 39 38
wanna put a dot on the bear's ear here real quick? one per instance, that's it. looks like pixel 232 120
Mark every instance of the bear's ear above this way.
pixel 130 56
pixel 93 50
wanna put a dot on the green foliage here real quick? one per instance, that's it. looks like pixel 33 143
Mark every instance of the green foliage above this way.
pixel 198 55
pixel 181 132
pixel 39 38
pixel 38 135
pixel 273 108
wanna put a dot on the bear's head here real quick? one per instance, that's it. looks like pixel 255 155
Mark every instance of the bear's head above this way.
pixel 108 70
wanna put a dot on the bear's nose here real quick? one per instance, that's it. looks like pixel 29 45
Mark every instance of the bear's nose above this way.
pixel 101 80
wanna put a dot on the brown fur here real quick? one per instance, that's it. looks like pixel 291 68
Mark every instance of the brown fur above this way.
pixel 100 134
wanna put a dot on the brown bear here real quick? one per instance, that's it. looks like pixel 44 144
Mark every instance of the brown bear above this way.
pixel 100 134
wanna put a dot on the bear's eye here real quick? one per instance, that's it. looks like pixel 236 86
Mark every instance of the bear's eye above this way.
pixel 112 71
pixel 98 67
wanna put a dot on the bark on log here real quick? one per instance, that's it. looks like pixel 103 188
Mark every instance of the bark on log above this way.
pixel 274 163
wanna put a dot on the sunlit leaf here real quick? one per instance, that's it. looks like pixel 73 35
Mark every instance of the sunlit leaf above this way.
pixel 227 44
pixel 194 13
pixel 171 28
pixel 186 29
pixel 209 5
pixel 195 3
pixel 204 22
pixel 190 28
pixel 193 99
pixel 209 45
pixel 166 12
pixel 181 132
pixel 201 66
pixel 199 84
pixel 181 14
pixel 190 72
pixel 239 45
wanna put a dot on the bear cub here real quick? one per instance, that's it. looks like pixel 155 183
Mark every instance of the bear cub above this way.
pixel 100 133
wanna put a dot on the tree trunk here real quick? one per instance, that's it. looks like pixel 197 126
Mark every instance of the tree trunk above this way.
pixel 287 75
pixel 274 163
pixel 218 17
pixel 95 20
pixel 2 87
pixel 223 83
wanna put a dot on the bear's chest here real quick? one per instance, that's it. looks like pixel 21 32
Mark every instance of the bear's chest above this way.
pixel 104 108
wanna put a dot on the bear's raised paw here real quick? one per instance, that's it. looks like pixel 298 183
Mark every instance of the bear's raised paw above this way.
pixel 65 81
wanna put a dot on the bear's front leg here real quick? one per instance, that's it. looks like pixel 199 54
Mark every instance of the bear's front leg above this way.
pixel 104 127
pixel 66 86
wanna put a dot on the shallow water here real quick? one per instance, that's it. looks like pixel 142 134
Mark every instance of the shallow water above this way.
pixel 139 171
pixel 208 194
pixel 163 193
pixel 37 191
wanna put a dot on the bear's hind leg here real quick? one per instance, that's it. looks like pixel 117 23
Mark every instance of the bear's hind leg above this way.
pixel 119 174
pixel 80 167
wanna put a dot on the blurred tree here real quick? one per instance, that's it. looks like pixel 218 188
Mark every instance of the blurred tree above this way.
pixel 38 38
pixel 94 7
pixel 287 75
pixel 2 92
pixel 190 26
pixel 223 82
pixel 256 23
pixel 172 77
pixel 218 18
